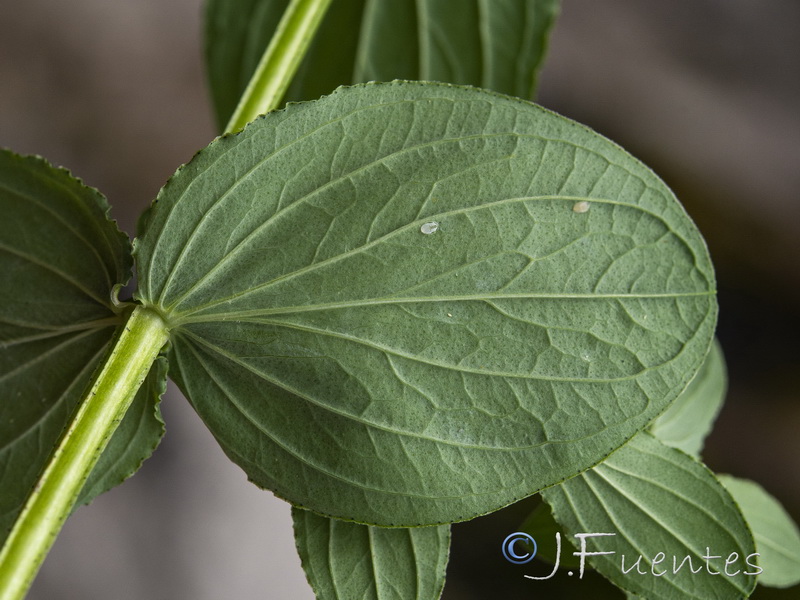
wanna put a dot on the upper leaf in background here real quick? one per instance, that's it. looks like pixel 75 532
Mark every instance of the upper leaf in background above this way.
pixel 661 505
pixel 348 560
pixel 411 303
pixel 60 258
pixel 776 535
pixel 687 422
pixel 494 44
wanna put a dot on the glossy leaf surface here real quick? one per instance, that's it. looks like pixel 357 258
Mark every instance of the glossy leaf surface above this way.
pixel 688 420
pixel 366 369
pixel 661 505
pixel 60 258
pixel 348 560
pixel 494 44
pixel 777 537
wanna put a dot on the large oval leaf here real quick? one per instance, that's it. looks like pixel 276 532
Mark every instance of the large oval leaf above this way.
pixel 348 560
pixel 495 44
pixel 411 303
pixel 676 533
pixel 60 258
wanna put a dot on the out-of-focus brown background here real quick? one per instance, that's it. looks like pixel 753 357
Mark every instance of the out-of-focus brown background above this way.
pixel 705 91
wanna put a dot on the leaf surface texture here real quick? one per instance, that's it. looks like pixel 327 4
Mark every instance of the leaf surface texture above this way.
pixel 370 371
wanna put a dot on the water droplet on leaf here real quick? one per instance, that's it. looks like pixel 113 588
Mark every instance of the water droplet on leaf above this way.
pixel 429 228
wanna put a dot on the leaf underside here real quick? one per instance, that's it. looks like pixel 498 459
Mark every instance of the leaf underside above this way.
pixel 348 560
pixel 662 505
pixel 494 44
pixel 60 258
pixel 369 371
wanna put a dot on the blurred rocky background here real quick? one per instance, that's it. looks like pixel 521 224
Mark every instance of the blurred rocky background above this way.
pixel 705 91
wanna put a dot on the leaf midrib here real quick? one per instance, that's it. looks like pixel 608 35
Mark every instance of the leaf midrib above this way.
pixel 371 163
pixel 183 319
pixel 57 331
pixel 177 316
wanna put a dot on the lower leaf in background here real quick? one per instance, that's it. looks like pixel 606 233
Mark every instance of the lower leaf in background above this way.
pixel 776 535
pixel 675 531
pixel 688 420
pixel 349 560
pixel 589 500
pixel 552 546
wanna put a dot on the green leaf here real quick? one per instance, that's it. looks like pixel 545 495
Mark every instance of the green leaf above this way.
pixel 494 44
pixel 370 371
pixel 687 422
pixel 60 260
pixel 661 505
pixel 777 537
pixel 348 560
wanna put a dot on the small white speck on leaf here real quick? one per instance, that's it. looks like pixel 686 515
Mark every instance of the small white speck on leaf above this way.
pixel 429 228
pixel 580 207
pixel 449 315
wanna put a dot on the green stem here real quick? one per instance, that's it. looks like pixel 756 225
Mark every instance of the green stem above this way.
pixel 137 346
pixel 280 61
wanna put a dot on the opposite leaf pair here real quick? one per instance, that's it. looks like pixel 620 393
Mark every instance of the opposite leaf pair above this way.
pixel 404 304
pixel 367 370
